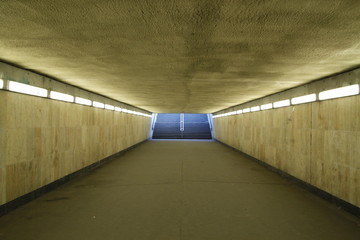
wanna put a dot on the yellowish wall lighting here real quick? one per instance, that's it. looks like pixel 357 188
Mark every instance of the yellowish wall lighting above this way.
pixel 339 92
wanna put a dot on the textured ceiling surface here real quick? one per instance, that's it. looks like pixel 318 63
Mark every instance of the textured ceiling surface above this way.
pixel 182 56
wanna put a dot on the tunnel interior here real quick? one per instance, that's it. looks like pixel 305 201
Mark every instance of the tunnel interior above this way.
pixel 179 119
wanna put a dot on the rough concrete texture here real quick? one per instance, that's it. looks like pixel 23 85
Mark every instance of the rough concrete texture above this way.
pixel 182 56
pixel 179 190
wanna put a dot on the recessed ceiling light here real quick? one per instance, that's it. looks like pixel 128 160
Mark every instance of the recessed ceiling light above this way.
pixel 266 106
pixel 98 104
pixel 255 109
pixel 282 103
pixel 109 107
pixel 339 92
pixel 61 96
pixel 27 89
pixel 83 101
pixel 118 109
pixel 304 99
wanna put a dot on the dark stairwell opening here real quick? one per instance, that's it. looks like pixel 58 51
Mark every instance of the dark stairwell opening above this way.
pixel 182 126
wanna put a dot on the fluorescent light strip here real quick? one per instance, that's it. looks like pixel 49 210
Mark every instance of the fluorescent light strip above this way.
pixel 324 95
pixel 27 89
pixel 98 104
pixel 118 109
pixel 304 99
pixel 255 109
pixel 282 103
pixel 109 107
pixel 339 92
pixel 266 106
pixel 41 92
pixel 61 96
pixel 83 101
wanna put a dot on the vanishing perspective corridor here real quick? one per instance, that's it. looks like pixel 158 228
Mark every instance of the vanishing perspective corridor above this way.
pixel 180 120
pixel 179 190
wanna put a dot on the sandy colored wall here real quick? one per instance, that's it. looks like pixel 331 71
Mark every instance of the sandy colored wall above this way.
pixel 42 140
pixel 315 142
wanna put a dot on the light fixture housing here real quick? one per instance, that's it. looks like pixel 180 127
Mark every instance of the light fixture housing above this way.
pixel 339 92
pixel 246 110
pixel 98 104
pixel 118 109
pixel 27 89
pixel 304 99
pixel 109 107
pixel 282 103
pixel 266 106
pixel 255 109
pixel 1 84
pixel 83 101
pixel 61 96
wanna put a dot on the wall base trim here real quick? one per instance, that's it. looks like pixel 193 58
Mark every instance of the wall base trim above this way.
pixel 348 207
pixel 13 204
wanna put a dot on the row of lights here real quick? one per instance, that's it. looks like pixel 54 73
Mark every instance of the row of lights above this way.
pixel 324 95
pixel 41 92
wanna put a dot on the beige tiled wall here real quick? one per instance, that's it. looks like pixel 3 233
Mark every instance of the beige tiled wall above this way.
pixel 42 140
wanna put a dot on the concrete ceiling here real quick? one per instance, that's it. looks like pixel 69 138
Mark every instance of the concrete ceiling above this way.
pixel 182 56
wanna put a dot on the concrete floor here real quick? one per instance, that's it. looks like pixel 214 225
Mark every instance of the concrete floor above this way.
pixel 179 190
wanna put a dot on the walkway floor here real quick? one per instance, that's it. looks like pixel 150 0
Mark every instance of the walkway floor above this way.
pixel 174 190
